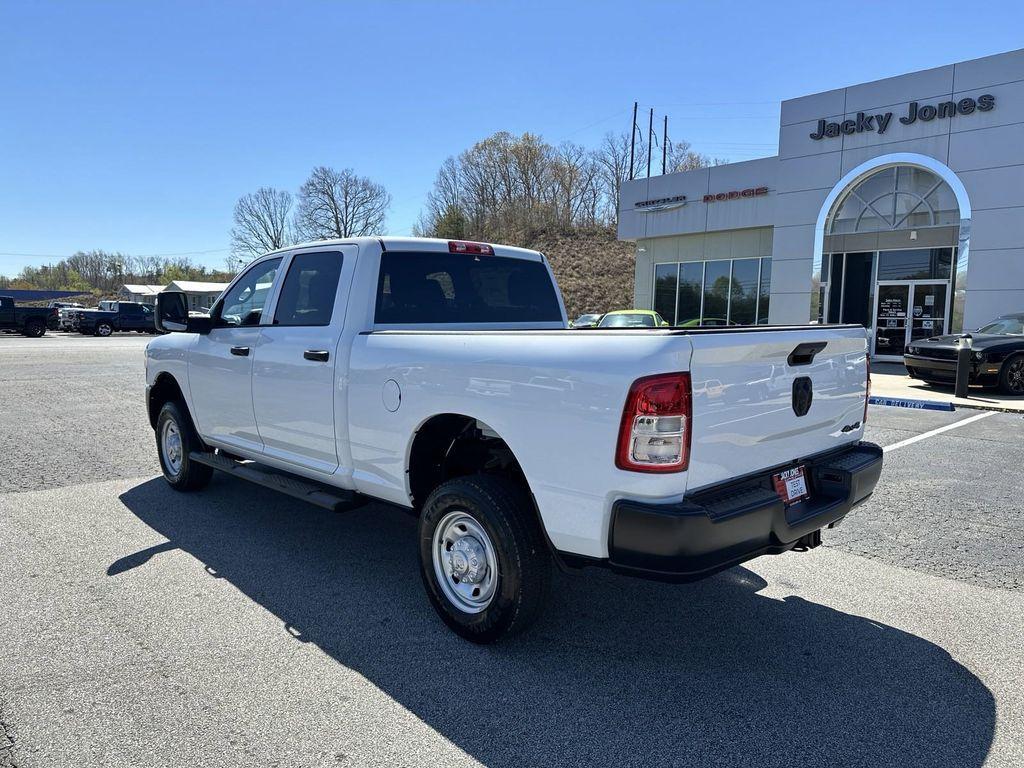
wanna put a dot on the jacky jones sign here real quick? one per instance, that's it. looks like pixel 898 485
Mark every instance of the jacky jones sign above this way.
pixel 879 122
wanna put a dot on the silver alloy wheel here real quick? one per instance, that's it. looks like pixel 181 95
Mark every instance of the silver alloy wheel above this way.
pixel 103 329
pixel 170 446
pixel 465 562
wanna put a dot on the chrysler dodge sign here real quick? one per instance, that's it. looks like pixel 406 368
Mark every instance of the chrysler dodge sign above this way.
pixel 661 203
pixel 878 123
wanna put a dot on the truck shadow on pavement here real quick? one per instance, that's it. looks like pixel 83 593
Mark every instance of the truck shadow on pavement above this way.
pixel 617 671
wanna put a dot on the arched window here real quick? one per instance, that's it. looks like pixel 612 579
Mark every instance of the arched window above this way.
pixel 894 198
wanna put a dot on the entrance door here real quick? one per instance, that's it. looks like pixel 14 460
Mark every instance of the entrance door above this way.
pixel 928 310
pixel 892 308
pixel 906 311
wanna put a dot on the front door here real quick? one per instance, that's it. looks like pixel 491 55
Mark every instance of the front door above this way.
pixel 906 311
pixel 927 310
pixel 295 381
pixel 892 307
pixel 220 364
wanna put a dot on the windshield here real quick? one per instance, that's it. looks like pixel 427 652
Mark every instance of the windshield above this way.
pixel 628 321
pixel 1005 326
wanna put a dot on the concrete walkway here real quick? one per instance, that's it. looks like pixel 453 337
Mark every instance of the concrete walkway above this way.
pixel 891 380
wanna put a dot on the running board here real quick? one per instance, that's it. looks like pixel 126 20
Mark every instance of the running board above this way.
pixel 334 499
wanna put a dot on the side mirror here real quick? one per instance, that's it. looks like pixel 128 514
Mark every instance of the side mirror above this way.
pixel 172 315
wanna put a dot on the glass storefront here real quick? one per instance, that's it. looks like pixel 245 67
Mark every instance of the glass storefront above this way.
pixel 902 294
pixel 713 293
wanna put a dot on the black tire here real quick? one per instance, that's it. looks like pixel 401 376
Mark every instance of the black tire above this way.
pixel 190 476
pixel 1011 375
pixel 505 513
pixel 103 329
pixel 34 329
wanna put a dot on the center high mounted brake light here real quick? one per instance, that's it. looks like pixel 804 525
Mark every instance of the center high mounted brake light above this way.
pixel 463 246
pixel 655 432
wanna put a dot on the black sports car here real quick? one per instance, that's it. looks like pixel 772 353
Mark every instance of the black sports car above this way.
pixel 997 358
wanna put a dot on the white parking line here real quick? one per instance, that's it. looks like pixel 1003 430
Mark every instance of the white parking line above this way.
pixel 946 428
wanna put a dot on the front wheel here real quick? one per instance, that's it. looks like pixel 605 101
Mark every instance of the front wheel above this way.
pixel 175 440
pixel 483 559
pixel 104 329
pixel 1011 376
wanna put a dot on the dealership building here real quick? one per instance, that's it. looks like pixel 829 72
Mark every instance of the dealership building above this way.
pixel 897 204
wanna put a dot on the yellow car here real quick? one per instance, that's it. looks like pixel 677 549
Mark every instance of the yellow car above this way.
pixel 632 318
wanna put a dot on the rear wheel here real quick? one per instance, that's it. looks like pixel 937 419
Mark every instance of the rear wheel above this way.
pixel 104 329
pixel 34 329
pixel 1011 375
pixel 483 559
pixel 175 440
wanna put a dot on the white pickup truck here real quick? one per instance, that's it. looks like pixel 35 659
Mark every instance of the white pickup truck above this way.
pixel 442 377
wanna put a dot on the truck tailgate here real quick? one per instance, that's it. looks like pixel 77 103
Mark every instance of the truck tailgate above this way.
pixel 744 406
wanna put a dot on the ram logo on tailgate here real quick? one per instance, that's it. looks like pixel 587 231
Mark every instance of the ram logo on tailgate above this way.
pixel 803 393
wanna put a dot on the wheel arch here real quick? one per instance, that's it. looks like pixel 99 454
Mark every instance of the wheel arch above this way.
pixel 449 445
pixel 164 390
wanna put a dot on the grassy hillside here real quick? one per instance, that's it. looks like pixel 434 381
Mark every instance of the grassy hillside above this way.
pixel 594 270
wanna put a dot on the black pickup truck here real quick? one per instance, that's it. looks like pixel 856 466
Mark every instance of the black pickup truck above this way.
pixel 116 316
pixel 29 321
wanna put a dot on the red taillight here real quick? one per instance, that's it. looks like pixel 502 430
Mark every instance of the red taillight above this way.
pixel 654 435
pixel 867 389
pixel 461 246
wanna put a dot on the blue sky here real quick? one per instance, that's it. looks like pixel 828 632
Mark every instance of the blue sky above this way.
pixel 135 126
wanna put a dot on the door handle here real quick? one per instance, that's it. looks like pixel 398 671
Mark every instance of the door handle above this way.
pixel 240 351
pixel 319 355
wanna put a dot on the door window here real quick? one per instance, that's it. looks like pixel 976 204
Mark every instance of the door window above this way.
pixel 891 324
pixel 309 288
pixel 929 311
pixel 243 304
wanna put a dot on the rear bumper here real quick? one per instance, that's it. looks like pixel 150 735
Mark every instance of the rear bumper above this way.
pixel 719 527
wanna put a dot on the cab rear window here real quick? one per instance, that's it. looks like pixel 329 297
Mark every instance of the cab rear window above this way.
pixel 420 288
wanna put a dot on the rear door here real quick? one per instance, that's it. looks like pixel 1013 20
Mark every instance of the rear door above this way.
pixel 750 392
pixel 296 367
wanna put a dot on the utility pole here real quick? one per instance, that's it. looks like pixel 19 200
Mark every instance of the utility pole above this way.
pixel 650 136
pixel 664 146
pixel 632 143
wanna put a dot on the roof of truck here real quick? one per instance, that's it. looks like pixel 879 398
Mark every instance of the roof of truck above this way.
pixel 430 244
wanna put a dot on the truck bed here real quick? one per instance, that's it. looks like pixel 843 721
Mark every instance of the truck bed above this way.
pixel 557 400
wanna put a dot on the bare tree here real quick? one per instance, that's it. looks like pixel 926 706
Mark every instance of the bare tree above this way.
pixel 261 223
pixel 340 204
pixel 682 158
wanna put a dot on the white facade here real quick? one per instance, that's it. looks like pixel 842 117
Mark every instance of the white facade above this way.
pixel 141 294
pixel 938 247
pixel 200 295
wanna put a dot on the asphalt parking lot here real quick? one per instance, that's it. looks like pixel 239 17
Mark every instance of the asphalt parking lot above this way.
pixel 235 627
